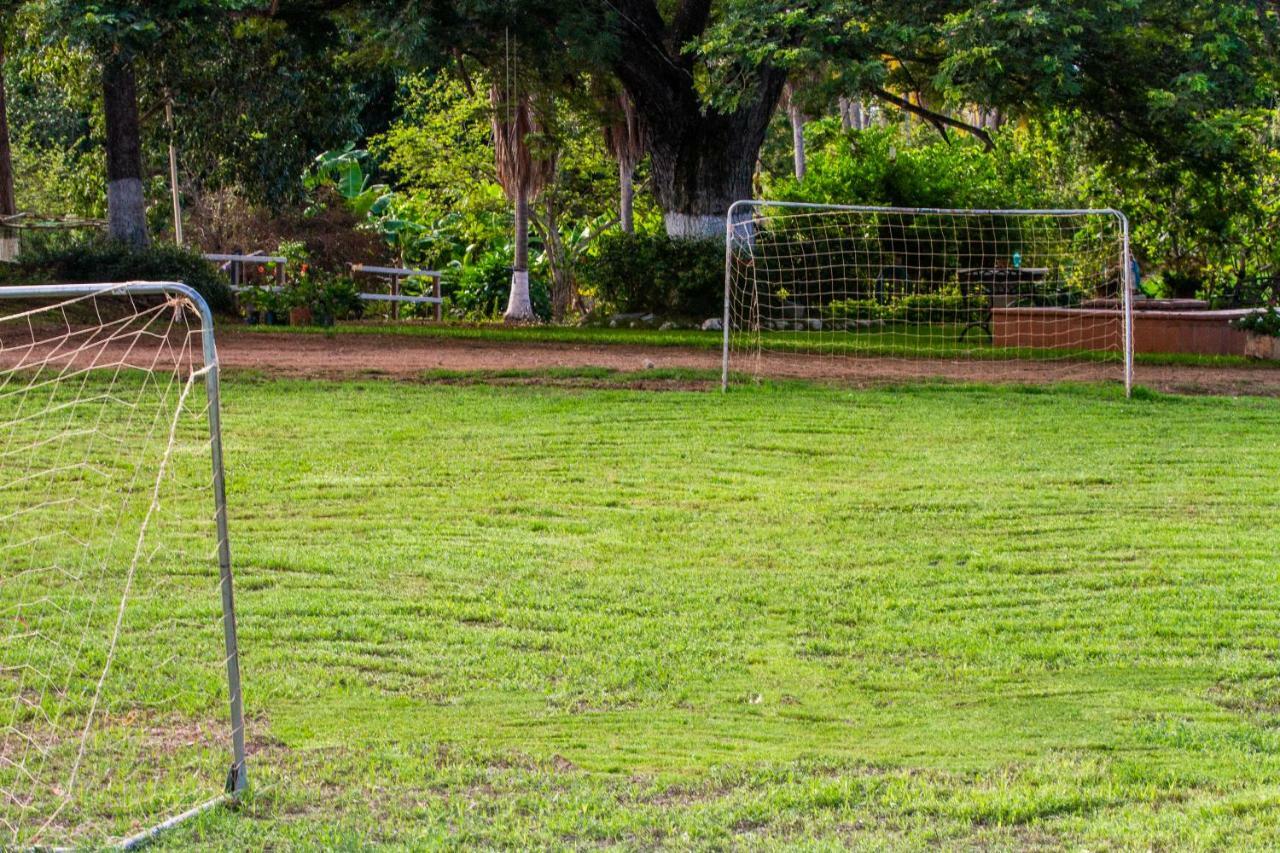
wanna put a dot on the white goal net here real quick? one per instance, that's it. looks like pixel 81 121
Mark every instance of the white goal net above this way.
pixel 906 292
pixel 119 684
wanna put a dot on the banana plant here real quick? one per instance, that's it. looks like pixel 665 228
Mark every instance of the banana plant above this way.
pixel 344 170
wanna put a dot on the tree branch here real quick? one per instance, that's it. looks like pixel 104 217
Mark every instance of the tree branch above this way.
pixel 690 20
pixel 939 121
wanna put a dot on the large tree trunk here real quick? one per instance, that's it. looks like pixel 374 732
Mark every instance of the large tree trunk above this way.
pixel 519 305
pixel 701 159
pixel 8 203
pixel 701 165
pixel 126 204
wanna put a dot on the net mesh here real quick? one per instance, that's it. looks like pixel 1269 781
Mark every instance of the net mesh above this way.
pixel 113 687
pixel 973 294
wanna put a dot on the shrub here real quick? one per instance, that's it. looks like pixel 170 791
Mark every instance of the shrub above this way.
pixel 330 297
pixel 654 273
pixel 109 261
pixel 480 290
pixel 914 308
pixel 1263 322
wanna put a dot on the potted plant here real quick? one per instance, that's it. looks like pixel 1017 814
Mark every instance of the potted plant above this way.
pixel 253 304
pixel 262 305
pixel 336 297
pixel 1262 333
pixel 302 293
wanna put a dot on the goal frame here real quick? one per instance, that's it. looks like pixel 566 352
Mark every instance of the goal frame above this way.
pixel 237 777
pixel 740 211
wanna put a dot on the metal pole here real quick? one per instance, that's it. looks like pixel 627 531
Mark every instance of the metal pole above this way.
pixel 435 291
pixel 237 778
pixel 173 171
pixel 728 283
pixel 1126 258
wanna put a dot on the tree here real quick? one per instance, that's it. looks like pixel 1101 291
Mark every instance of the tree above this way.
pixel 126 201
pixel 8 205
pixel 701 159
pixel 795 114
pixel 523 173
pixel 257 97
pixel 624 143
pixel 8 202
pixel 120 34
pixel 1168 77
pixel 705 76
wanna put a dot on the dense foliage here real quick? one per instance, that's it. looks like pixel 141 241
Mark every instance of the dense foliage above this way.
pixel 655 273
pixel 1193 235
pixel 107 261
pixel 479 291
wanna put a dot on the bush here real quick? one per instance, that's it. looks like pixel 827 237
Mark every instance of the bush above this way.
pixel 329 297
pixel 1263 322
pixel 654 273
pixel 914 308
pixel 100 260
pixel 481 290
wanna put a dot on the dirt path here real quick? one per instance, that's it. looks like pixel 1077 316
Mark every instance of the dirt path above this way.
pixel 292 354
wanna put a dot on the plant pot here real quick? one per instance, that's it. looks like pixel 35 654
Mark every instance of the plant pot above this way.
pixel 300 316
pixel 1262 346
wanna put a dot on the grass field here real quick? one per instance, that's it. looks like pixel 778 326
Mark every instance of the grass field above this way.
pixel 541 616
pixel 532 615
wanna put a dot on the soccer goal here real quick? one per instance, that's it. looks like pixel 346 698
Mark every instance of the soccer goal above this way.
pixel 1012 295
pixel 119 671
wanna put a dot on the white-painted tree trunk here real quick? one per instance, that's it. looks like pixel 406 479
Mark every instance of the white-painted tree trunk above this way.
pixel 126 202
pixel 519 303
pixel 127 211
pixel 691 226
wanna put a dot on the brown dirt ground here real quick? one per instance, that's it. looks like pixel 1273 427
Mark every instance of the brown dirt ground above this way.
pixel 408 356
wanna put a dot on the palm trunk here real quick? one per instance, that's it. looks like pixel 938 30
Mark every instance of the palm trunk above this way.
pixel 8 203
pixel 845 107
pixel 519 306
pixel 175 196
pixel 626 197
pixel 797 133
pixel 126 204
pixel 861 118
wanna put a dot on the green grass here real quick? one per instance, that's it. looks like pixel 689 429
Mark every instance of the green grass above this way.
pixel 900 341
pixel 932 615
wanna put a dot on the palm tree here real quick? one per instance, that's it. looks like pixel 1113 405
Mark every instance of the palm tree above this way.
pixel 798 119
pixel 622 138
pixel 523 175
